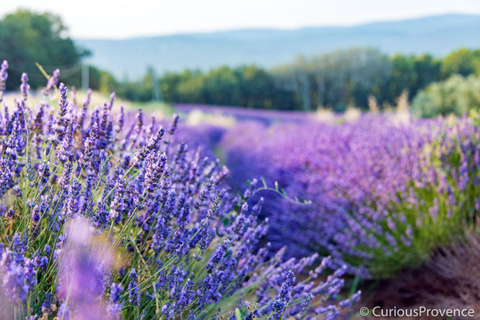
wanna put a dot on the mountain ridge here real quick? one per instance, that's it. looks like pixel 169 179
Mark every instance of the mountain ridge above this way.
pixel 267 47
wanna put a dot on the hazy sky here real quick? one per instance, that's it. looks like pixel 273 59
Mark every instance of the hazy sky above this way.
pixel 126 18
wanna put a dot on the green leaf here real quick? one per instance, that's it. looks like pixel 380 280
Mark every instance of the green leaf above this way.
pixel 238 314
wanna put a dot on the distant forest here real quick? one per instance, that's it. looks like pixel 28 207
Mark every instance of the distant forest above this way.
pixel 335 80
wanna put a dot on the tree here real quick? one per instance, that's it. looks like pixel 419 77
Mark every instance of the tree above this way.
pixel 296 77
pixel 455 95
pixel 27 37
pixel 427 69
pixel 193 88
pixel 336 79
pixel 403 76
pixel 256 87
pixel 462 61
pixel 412 73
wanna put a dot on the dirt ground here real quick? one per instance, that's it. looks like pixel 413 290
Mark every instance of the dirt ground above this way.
pixel 451 280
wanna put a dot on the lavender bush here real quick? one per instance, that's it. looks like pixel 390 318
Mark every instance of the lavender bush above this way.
pixel 104 217
pixel 384 195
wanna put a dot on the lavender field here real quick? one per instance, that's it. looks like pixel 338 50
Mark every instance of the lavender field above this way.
pixel 107 212
pixel 386 196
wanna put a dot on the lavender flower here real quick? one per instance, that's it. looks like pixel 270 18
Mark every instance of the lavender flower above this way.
pixel 150 146
pixel 25 87
pixel 61 122
pixel 84 110
pixel 3 78
pixel 90 144
pixel 65 151
pixel 133 291
pixel 115 306
pixel 173 126
pixel 17 276
pixel 52 82
pixel 284 296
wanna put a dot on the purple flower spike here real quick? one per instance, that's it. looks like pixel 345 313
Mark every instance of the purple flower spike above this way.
pixel 25 87
pixel 52 82
pixel 3 78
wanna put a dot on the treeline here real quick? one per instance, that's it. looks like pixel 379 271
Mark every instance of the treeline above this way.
pixel 349 77
pixel 336 80
pixel 246 86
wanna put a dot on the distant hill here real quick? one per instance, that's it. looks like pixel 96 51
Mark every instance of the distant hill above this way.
pixel 437 35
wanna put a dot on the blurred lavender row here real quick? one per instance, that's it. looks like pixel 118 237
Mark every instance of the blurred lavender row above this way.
pixel 382 190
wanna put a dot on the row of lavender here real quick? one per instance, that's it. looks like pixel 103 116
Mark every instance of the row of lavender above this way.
pixel 384 195
pixel 102 216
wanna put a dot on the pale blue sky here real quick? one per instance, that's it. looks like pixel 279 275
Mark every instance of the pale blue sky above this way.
pixel 127 18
